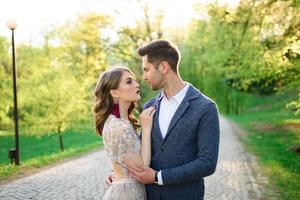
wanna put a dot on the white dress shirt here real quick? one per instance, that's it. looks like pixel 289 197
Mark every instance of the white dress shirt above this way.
pixel 167 110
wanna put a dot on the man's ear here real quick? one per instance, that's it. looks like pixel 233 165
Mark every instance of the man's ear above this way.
pixel 164 67
pixel 114 94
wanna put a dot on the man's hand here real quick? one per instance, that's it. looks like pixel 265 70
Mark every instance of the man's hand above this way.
pixel 109 179
pixel 143 174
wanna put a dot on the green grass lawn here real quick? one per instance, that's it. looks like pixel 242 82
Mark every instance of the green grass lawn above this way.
pixel 269 138
pixel 40 151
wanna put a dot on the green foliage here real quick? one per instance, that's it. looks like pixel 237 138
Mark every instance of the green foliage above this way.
pixel 83 46
pixel 56 80
pixel 6 100
pixel 55 102
pixel 295 105
pixel 253 48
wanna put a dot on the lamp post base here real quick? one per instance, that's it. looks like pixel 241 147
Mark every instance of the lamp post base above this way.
pixel 12 153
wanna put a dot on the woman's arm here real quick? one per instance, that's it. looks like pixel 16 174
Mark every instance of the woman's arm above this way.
pixel 146 119
pixel 146 147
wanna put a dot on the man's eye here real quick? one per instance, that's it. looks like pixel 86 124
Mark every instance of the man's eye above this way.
pixel 129 82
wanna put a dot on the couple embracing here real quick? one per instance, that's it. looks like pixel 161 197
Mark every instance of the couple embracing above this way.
pixel 179 130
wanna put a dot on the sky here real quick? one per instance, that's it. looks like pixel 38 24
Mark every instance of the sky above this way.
pixel 33 16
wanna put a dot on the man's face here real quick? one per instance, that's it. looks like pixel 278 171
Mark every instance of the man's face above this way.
pixel 151 74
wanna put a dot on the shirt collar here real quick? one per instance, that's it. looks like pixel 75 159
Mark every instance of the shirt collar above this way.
pixel 179 96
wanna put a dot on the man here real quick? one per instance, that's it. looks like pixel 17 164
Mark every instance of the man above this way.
pixel 185 132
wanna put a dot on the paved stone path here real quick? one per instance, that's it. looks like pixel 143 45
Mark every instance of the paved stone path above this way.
pixel 235 178
pixel 82 178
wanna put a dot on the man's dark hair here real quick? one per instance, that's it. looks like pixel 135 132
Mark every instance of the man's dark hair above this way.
pixel 158 51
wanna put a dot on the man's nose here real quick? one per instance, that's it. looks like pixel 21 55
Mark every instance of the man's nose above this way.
pixel 145 77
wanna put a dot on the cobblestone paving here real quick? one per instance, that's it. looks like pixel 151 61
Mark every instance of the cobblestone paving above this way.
pixel 82 178
pixel 234 177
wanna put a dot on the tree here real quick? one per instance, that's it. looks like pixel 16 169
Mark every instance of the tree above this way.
pixel 57 79
pixel 123 51
pixel 253 48
pixel 55 103
pixel 83 47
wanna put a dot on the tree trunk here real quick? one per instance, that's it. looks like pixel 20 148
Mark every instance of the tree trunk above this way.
pixel 237 106
pixel 227 106
pixel 61 142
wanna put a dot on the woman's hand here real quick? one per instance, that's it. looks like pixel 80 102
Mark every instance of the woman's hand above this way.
pixel 146 119
pixel 109 179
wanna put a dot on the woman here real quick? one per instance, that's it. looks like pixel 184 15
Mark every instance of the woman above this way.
pixel 115 96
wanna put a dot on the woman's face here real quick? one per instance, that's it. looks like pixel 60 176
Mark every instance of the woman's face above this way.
pixel 128 90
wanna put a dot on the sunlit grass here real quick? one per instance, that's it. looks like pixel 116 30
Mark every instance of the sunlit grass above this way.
pixel 7 170
pixel 269 140
pixel 40 151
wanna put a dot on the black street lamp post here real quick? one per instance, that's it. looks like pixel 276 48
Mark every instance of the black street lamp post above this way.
pixel 14 153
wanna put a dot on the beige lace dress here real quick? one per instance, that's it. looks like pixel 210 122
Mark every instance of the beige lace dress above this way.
pixel 121 142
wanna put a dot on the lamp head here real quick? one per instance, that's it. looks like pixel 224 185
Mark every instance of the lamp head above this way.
pixel 11 24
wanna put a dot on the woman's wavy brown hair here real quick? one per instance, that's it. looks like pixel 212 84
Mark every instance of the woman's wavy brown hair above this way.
pixel 110 80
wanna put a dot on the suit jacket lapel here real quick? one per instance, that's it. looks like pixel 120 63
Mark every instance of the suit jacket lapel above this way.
pixel 179 112
pixel 191 94
pixel 156 116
